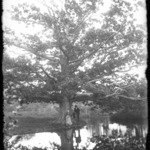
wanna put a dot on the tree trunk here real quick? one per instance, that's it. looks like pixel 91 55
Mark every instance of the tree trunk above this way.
pixel 65 107
pixel 137 133
pixel 67 139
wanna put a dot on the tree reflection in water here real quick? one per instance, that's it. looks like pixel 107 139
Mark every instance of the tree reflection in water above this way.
pixel 77 137
pixel 103 135
pixel 66 137
pixel 115 141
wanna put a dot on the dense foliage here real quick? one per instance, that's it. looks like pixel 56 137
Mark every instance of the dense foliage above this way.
pixel 76 48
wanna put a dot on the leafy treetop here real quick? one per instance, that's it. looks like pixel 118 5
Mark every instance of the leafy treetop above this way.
pixel 73 51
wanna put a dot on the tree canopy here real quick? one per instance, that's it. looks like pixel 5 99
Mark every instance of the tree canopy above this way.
pixel 73 50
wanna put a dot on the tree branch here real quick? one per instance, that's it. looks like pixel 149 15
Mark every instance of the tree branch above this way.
pixel 33 51
pixel 80 60
pixel 50 77
pixel 51 13
pixel 117 71
pixel 31 21
pixel 61 48
pixel 94 80
pixel 78 27
pixel 133 98
pixel 46 97
pixel 126 97
pixel 107 53
pixel 97 49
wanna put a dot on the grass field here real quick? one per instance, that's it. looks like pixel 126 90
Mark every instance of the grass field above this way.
pixel 39 110
pixel 32 118
pixel 38 117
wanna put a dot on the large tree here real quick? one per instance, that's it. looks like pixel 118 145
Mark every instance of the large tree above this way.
pixel 76 49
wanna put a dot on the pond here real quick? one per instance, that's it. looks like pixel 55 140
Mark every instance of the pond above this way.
pixel 85 138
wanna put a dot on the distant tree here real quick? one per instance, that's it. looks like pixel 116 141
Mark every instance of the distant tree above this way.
pixel 77 49
pixel 129 97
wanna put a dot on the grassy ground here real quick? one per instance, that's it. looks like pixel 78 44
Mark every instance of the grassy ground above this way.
pixel 31 118
pixel 39 117
pixel 35 110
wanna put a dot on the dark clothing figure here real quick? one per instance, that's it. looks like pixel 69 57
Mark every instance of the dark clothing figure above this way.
pixel 78 138
pixel 73 114
pixel 76 112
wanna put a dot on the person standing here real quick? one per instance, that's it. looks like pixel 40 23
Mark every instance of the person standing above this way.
pixel 68 119
pixel 77 112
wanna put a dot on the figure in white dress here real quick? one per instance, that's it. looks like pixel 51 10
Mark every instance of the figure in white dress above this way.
pixel 68 119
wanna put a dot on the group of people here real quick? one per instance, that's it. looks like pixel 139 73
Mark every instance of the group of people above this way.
pixel 76 114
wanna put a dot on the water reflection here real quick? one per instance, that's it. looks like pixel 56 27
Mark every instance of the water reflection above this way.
pixel 110 129
pixel 40 140
pixel 81 138
pixel 103 126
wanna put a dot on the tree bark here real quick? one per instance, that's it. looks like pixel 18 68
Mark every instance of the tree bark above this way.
pixel 65 107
